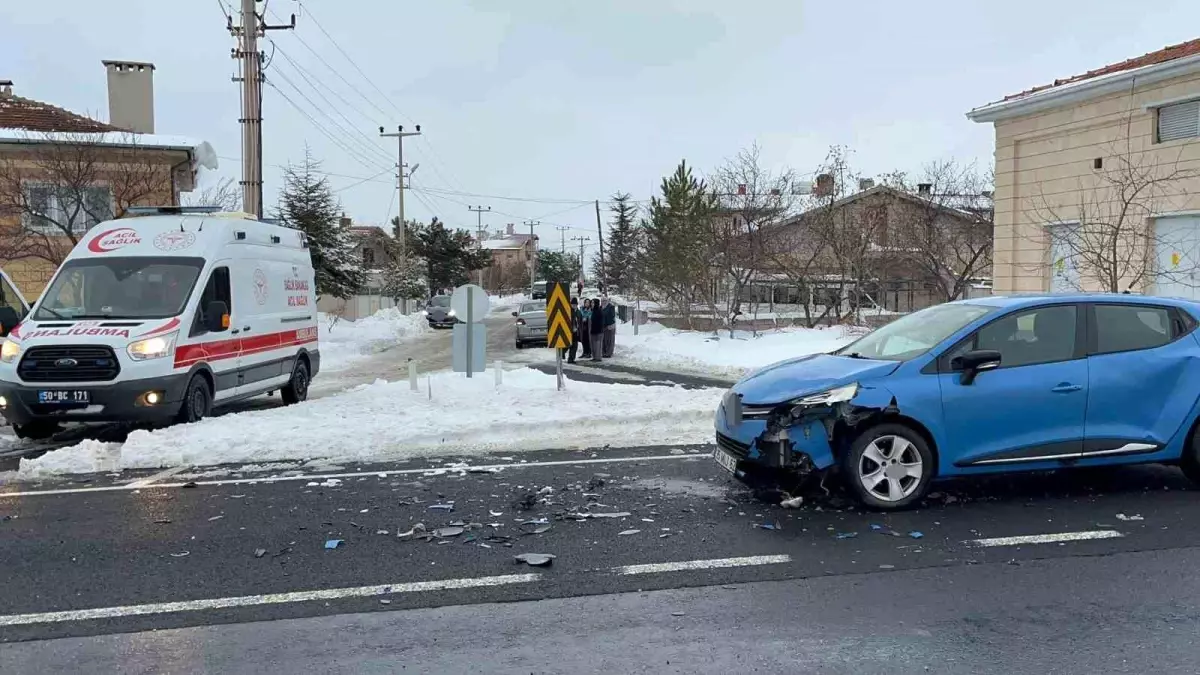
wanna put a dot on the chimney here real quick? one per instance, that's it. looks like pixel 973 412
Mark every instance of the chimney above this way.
pixel 345 220
pixel 865 184
pixel 5 87
pixel 131 95
pixel 825 185
pixel 924 188
pixel 511 229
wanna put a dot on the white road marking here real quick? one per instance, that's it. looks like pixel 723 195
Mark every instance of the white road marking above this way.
pixel 354 474
pixel 716 563
pixel 1048 538
pixel 166 473
pixel 270 599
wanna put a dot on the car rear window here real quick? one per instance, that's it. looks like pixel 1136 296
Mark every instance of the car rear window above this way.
pixel 1123 328
pixel 532 307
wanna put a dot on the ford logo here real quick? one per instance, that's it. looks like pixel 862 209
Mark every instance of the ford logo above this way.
pixel 66 363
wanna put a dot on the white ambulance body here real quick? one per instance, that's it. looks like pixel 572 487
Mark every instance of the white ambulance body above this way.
pixel 158 318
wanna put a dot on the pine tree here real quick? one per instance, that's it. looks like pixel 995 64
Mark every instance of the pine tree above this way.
pixel 556 266
pixel 307 204
pixel 677 259
pixel 621 249
pixel 449 256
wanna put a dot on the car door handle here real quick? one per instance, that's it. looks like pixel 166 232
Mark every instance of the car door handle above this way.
pixel 245 327
pixel 234 331
pixel 1066 388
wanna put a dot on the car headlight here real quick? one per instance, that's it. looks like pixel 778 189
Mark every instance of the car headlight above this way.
pixel 452 313
pixel 829 396
pixel 10 351
pixel 152 348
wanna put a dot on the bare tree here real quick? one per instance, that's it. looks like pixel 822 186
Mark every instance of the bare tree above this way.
pixel 56 188
pixel 1106 237
pixel 943 229
pixel 225 195
pixel 751 199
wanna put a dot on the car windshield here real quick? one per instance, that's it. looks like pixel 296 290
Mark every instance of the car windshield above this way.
pixel 915 334
pixel 120 288
pixel 440 301
pixel 532 307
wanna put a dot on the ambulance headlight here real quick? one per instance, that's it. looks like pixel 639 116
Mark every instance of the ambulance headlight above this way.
pixel 152 348
pixel 10 351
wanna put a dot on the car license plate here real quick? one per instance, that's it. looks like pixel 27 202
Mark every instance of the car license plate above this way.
pixel 726 460
pixel 64 396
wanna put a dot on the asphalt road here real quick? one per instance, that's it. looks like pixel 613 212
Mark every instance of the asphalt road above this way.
pixel 1076 572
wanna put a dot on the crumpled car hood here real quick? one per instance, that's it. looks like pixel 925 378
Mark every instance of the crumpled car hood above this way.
pixel 790 379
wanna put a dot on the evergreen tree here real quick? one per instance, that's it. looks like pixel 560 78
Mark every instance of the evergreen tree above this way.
pixel 307 204
pixel 449 256
pixel 677 260
pixel 621 248
pixel 555 266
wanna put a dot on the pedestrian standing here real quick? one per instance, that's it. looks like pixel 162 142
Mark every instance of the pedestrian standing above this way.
pixel 596 325
pixel 575 337
pixel 609 311
pixel 584 328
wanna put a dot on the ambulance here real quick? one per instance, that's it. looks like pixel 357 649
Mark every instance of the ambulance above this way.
pixel 160 318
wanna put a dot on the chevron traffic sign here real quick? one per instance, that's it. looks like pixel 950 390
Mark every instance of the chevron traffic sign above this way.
pixel 558 316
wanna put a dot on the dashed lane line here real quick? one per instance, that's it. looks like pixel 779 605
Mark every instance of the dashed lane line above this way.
pixel 149 480
pixel 139 484
pixel 1056 538
pixel 361 592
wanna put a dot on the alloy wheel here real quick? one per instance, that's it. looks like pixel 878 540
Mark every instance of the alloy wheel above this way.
pixel 890 468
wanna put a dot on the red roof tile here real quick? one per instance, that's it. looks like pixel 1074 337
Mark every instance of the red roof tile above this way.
pixel 1179 51
pixel 23 113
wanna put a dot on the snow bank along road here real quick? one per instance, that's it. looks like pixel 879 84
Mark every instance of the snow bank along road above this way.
pixel 832 586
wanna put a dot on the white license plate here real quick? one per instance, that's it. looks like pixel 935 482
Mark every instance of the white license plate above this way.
pixel 59 396
pixel 726 460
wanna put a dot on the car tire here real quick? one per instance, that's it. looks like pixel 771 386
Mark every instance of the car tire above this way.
pixel 36 431
pixel 889 467
pixel 197 401
pixel 296 390
pixel 1190 461
pixel 520 345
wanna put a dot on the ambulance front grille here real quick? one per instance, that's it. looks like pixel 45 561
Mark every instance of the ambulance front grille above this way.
pixel 69 363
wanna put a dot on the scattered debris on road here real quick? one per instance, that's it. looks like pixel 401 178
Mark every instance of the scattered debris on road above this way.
pixel 627 532
pixel 536 559
pixel 182 554
pixel 260 552
pixel 846 535
pixel 444 532
pixel 1135 517
pixel 333 543
pixel 793 503
pixel 417 530
pixel 447 507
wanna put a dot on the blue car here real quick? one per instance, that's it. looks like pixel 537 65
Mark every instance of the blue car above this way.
pixel 977 386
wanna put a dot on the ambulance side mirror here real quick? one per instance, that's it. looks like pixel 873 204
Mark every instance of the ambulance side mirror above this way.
pixel 216 316
pixel 8 320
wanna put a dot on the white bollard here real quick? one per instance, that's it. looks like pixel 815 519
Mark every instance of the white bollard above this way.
pixel 499 373
pixel 412 376
pixel 429 383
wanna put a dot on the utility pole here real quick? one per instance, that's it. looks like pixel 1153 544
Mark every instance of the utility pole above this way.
pixel 600 233
pixel 562 231
pixel 581 240
pixel 479 211
pixel 248 33
pixel 400 134
pixel 533 262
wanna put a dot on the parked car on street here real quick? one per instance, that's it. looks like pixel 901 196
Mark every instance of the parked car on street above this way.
pixel 977 386
pixel 538 291
pixel 531 324
pixel 439 313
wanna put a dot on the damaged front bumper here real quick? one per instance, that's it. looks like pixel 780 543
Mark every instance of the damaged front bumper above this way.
pixel 798 436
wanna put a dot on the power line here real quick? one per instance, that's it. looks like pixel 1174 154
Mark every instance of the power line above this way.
pixel 356 184
pixel 353 155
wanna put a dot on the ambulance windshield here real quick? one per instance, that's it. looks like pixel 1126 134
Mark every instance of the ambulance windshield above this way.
pixel 120 288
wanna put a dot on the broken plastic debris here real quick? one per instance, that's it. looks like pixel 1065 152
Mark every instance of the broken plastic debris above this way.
pixel 449 506
pixel 769 526
pixel 444 532
pixel 618 514
pixel 184 554
pixel 546 491
pixel 1122 516
pixel 385 602
pixel 877 527
pixel 846 535
pixel 677 613
pixel 495 514
pixel 416 531
pixel 793 503
pixel 626 532
pixel 543 529
pixel 915 534
pixel 333 543
pixel 535 559
pixel 330 482
pixel 260 552
pixel 215 518
pixel 381 531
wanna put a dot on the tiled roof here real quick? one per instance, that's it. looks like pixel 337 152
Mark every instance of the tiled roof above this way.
pixel 22 113
pixel 1179 51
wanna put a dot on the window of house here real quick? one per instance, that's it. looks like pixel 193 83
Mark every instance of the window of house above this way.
pixel 368 256
pixel 216 290
pixel 53 208
pixel 1179 120
pixel 1123 328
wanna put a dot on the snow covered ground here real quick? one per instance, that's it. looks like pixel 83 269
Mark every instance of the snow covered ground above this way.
pixel 383 421
pixel 344 342
pixel 672 349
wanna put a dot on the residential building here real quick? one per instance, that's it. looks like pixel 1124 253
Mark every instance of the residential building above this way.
pixel 61 172
pixel 1098 179
pixel 372 245
pixel 513 257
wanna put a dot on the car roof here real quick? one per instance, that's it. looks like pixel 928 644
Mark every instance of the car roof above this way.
pixel 1017 301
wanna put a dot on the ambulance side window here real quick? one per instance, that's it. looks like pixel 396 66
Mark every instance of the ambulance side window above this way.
pixel 216 290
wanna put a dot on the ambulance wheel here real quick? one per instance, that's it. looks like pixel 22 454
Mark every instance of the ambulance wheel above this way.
pixel 36 431
pixel 197 402
pixel 296 389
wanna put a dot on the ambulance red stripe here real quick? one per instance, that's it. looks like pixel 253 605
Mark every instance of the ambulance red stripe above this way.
pixel 218 350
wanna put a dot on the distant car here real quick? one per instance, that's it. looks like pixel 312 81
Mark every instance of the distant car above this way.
pixel 438 312
pixel 974 387
pixel 531 324
pixel 538 292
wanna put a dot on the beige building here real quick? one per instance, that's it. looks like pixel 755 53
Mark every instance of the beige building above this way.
pixel 62 173
pixel 1098 179
pixel 513 256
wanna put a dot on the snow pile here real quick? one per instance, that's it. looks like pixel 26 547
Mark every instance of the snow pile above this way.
pixel 655 345
pixel 385 421
pixel 503 301
pixel 343 342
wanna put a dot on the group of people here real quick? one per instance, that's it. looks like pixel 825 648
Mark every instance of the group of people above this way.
pixel 594 326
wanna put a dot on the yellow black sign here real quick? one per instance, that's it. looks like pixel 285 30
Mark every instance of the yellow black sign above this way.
pixel 558 316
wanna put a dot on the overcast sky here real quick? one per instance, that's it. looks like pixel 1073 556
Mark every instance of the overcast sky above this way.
pixel 560 100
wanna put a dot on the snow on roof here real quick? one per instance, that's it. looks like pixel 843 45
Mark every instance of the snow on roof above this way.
pixel 203 153
pixel 516 241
